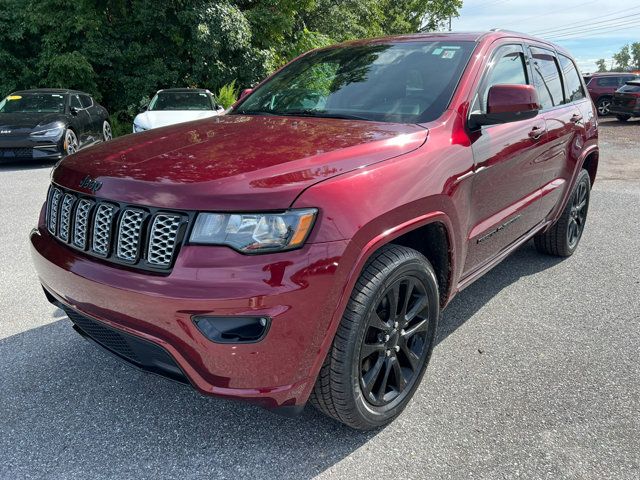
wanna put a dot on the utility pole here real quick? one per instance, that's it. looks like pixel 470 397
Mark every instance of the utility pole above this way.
pixel 449 22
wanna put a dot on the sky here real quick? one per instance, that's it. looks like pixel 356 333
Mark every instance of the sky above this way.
pixel 589 29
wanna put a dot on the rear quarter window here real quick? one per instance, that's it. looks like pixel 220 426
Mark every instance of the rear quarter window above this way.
pixel 573 86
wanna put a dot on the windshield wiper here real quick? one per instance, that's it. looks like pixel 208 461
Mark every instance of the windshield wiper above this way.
pixel 255 112
pixel 321 114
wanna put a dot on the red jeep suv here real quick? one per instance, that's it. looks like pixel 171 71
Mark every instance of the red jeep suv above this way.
pixel 302 246
pixel 602 86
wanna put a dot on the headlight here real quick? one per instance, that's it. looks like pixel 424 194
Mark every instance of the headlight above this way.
pixel 137 128
pixel 255 232
pixel 49 131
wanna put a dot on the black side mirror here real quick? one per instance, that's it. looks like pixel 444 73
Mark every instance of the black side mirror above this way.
pixel 74 110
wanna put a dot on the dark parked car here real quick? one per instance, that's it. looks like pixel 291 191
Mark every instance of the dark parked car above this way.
pixel 302 246
pixel 602 86
pixel 626 101
pixel 47 124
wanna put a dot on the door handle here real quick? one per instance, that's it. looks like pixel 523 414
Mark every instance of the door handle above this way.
pixel 536 133
pixel 575 118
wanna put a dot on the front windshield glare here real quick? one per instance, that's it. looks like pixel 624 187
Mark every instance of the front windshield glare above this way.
pixel 181 101
pixel 33 103
pixel 405 82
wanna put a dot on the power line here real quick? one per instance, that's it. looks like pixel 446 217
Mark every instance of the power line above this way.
pixel 607 29
pixel 578 26
pixel 580 4
pixel 580 23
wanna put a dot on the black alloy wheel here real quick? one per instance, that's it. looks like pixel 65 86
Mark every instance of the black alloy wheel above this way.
pixel 383 343
pixel 395 345
pixel 578 214
pixel 563 237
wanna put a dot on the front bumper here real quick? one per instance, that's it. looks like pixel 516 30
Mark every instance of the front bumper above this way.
pixel 298 290
pixel 27 148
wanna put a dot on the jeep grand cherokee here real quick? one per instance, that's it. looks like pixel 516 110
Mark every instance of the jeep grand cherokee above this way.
pixel 301 247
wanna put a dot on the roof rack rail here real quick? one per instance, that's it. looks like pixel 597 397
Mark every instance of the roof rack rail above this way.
pixel 506 30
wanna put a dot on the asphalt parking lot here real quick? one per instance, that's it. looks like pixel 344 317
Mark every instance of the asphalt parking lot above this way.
pixel 536 374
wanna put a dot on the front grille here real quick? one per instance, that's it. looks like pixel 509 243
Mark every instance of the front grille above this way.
pixel 65 216
pixel 129 234
pixel 20 153
pixel 81 227
pixel 143 237
pixel 163 239
pixel 102 228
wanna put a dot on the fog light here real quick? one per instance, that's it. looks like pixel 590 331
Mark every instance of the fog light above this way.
pixel 233 329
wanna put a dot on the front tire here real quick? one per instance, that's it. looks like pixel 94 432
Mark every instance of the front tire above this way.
pixel 71 144
pixel 562 239
pixel 106 131
pixel 384 341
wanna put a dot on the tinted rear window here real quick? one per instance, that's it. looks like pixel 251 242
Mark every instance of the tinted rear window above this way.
pixel 546 78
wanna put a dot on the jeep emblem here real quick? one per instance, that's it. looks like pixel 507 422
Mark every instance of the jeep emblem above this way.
pixel 91 184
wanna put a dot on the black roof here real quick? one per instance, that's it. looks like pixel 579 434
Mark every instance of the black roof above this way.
pixel 61 91
pixel 184 90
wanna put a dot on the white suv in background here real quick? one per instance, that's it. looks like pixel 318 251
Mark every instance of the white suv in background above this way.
pixel 177 105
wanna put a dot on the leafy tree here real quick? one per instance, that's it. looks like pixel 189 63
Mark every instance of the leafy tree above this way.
pixel 635 54
pixel 602 65
pixel 122 51
pixel 622 58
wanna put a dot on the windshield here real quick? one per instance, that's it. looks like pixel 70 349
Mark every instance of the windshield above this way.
pixel 404 82
pixel 33 103
pixel 181 101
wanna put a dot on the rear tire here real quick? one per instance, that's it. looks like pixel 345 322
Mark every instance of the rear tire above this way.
pixel 382 346
pixel 623 118
pixel 563 237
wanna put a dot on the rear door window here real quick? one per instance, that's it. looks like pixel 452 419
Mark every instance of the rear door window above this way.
pixel 507 67
pixel 608 82
pixel 546 78
pixel 573 86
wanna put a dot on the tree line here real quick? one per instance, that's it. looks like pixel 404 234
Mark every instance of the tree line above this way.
pixel 122 51
pixel 627 58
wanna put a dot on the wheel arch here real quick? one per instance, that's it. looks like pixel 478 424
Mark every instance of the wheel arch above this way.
pixel 590 164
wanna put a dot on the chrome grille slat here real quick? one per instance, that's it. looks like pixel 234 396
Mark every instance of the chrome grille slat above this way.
pixel 81 224
pixel 65 216
pixel 54 205
pixel 162 242
pixel 125 234
pixel 102 223
pixel 129 234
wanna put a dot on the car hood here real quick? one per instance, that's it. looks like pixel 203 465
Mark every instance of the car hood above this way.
pixel 234 162
pixel 21 123
pixel 162 118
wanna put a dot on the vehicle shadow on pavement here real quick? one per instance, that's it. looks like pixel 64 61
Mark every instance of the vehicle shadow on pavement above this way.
pixel 523 262
pixel 69 408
